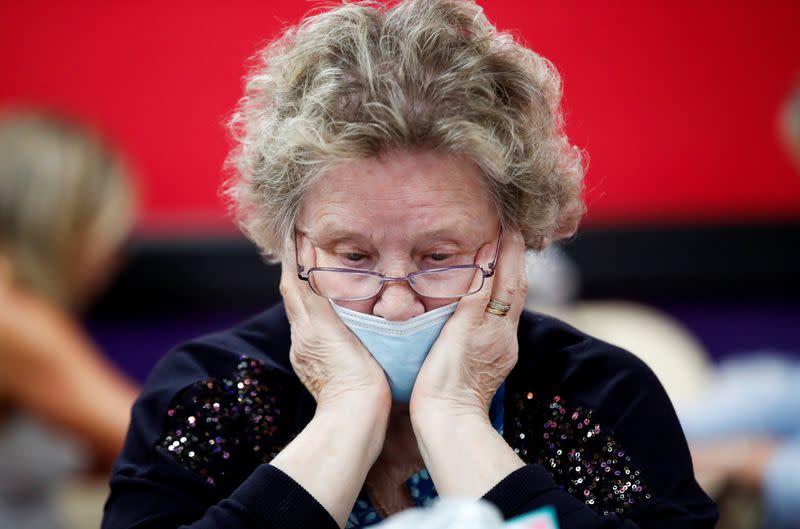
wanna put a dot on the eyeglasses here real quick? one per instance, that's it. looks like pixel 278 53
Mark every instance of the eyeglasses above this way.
pixel 347 284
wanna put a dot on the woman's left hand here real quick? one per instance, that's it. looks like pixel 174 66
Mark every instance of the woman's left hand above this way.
pixel 468 362
pixel 476 349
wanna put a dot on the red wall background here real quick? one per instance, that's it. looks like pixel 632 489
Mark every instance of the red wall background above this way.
pixel 676 105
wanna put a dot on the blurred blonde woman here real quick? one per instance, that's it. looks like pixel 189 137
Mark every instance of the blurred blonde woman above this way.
pixel 65 209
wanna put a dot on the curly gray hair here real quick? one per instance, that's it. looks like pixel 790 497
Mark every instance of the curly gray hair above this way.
pixel 359 79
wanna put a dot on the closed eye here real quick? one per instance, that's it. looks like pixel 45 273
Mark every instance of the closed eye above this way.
pixel 354 257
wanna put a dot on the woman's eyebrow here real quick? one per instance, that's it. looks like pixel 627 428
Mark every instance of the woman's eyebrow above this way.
pixel 329 234
pixel 458 232
pixel 454 233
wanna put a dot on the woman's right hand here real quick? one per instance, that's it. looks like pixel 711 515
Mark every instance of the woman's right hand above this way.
pixel 330 458
pixel 328 359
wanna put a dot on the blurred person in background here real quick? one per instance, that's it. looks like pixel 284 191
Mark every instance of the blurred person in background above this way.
pixel 66 208
pixel 398 160
pixel 744 431
pixel 789 122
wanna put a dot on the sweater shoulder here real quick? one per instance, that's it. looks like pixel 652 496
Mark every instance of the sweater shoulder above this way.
pixel 263 337
pixel 556 357
pixel 221 404
pixel 594 415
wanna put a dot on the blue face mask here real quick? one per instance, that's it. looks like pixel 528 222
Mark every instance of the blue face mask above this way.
pixel 399 347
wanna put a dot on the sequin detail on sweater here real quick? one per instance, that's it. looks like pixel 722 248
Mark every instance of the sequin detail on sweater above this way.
pixel 585 460
pixel 221 427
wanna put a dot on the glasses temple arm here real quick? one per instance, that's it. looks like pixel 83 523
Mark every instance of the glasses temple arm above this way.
pixel 300 268
pixel 493 263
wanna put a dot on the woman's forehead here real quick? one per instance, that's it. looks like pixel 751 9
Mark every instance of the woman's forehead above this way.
pixel 448 228
pixel 412 190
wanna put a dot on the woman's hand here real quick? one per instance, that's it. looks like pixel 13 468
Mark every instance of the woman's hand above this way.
pixel 476 350
pixel 329 360
pixel 47 360
pixel 449 405
pixel 723 462
pixel 330 458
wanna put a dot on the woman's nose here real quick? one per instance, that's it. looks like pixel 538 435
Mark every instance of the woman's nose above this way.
pixel 397 302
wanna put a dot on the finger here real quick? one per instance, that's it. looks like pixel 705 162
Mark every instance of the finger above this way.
pixel 472 306
pixel 308 305
pixel 307 258
pixel 289 287
pixel 510 282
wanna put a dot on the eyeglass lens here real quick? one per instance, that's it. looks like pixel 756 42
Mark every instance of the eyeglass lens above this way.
pixel 447 283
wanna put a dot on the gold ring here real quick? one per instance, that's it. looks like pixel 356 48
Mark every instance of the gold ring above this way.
pixel 492 310
pixel 498 308
pixel 499 305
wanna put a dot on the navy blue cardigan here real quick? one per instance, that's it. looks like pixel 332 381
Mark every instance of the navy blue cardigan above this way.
pixel 599 435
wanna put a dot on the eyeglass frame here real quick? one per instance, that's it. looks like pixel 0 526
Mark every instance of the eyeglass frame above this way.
pixel 492 265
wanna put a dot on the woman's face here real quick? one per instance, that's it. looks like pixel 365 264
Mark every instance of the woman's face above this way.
pixel 396 214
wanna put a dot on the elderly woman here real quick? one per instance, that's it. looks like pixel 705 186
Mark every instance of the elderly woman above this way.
pixel 398 161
